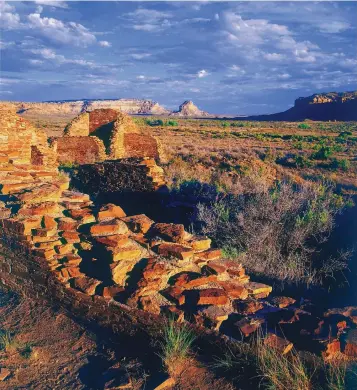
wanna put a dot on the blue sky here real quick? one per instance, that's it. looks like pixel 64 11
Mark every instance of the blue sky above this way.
pixel 228 57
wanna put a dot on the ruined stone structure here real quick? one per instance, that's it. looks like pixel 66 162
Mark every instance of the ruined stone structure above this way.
pixel 101 135
pixel 96 255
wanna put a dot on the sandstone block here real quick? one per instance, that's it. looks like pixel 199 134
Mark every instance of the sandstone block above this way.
pixel 176 250
pixel 170 232
pixel 110 211
pixel 260 289
pixel 67 223
pixel 138 223
pixel 86 285
pixel 112 291
pixel 71 237
pixel 211 296
pixel 109 228
pixel 175 294
pixel 247 326
pixel 199 243
pixel 234 290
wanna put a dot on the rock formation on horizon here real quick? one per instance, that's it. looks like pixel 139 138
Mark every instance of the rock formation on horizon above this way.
pixel 340 106
pixel 188 109
pixel 76 107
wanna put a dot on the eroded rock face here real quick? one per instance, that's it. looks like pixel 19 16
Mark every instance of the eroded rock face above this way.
pixel 129 106
pixel 188 109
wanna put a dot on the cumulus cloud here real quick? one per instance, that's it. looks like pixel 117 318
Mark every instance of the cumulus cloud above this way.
pixel 9 19
pixel 60 32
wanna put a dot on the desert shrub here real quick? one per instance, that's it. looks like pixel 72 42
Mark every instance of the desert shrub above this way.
pixel 154 122
pixel 225 124
pixel 171 123
pixel 176 346
pixel 343 164
pixel 304 126
pixel 323 153
pixel 277 230
pixel 302 162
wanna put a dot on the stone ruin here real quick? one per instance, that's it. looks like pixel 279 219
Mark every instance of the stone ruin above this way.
pixel 100 254
pixel 103 134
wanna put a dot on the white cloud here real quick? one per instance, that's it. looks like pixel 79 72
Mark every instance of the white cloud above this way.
pixel 9 19
pixel 202 73
pixel 105 44
pixel 149 20
pixel 140 56
pixel 53 3
pixel 273 56
pixel 334 27
pixel 57 31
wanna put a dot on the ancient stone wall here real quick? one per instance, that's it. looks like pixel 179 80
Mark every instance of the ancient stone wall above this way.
pixel 132 175
pixel 78 127
pixel 116 136
pixel 98 118
pixel 138 145
pixel 79 150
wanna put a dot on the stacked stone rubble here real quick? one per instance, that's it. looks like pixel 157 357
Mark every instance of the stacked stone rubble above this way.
pixel 157 267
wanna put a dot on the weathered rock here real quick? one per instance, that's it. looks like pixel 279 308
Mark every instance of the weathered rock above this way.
pixel 247 326
pixel 280 344
pixel 138 223
pixel 175 294
pixel 283 302
pixel 211 296
pixel 190 280
pixel 234 289
pixel 170 232
pixel 110 211
pixel 249 306
pixel 176 250
pixel 86 284
pixel 199 243
pixel 4 373
pixel 112 291
pixel 260 289
pixel 109 228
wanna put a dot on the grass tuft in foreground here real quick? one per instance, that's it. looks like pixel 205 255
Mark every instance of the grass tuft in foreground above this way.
pixel 176 346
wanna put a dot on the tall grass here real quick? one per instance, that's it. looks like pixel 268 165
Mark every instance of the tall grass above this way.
pixel 176 346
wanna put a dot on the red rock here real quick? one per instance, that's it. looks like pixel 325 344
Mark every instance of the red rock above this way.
pixel 112 291
pixel 4 373
pixel 49 222
pixel 170 232
pixel 258 288
pixel 247 307
pixel 332 348
pixel 283 302
pixel 174 294
pixel 210 254
pixel 138 223
pixel 212 296
pixel 199 243
pixel 68 224
pixel 147 303
pixel 114 241
pixel 86 285
pixel 110 211
pixel 71 237
pixel 175 250
pixel 247 326
pixel 234 289
pixel 278 343
pixel 109 228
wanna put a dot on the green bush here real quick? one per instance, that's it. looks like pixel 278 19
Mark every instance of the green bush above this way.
pixel 342 164
pixel 304 126
pixel 302 162
pixel 323 153
pixel 225 124
pixel 171 123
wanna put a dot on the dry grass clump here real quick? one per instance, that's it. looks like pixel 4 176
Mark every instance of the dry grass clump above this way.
pixel 176 347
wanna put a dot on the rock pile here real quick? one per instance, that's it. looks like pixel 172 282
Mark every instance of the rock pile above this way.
pixel 157 267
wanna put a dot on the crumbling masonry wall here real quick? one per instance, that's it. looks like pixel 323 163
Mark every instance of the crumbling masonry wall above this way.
pixel 116 136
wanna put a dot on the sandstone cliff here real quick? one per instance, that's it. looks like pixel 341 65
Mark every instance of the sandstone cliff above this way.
pixel 188 109
pixel 323 106
pixel 129 106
